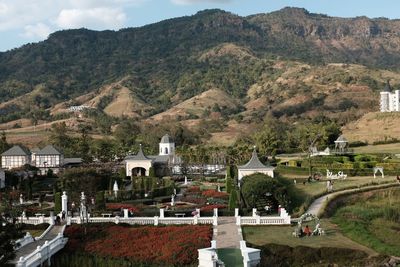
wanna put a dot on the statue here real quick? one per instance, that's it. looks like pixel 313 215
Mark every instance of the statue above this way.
pixel 172 200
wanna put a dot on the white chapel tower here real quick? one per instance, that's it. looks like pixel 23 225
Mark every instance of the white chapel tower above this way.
pixel 167 146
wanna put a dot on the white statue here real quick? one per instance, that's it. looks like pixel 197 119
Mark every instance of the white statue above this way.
pixel 115 189
pixel 186 181
pixel 172 200
pixel 21 199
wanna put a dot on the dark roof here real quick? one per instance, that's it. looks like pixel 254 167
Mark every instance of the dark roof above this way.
pixel 48 150
pixel 341 139
pixel 139 156
pixel 387 88
pixel 166 139
pixel 160 158
pixel 72 161
pixel 254 163
pixel 16 151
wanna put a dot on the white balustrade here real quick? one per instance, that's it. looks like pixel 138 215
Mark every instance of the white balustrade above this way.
pixel 43 253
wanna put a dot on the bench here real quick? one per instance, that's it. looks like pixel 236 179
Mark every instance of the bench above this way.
pixel 180 214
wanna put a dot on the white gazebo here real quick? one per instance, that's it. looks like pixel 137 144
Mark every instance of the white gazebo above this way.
pixel 139 164
pixel 254 166
pixel 341 144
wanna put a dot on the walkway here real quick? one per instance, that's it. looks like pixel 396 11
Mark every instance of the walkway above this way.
pixel 318 206
pixel 28 249
pixel 227 233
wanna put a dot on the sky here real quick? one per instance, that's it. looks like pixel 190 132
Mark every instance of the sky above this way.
pixel 27 21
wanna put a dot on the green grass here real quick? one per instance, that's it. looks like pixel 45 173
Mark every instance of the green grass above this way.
pixel 282 235
pixel 385 148
pixel 372 219
pixel 232 257
pixel 302 195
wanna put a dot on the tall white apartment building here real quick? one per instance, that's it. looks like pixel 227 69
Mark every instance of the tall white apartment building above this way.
pixel 390 101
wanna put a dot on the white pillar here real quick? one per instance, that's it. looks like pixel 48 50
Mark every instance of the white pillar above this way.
pixel 195 220
pixel 198 212
pixel 215 212
pixel 156 220
pixel 258 220
pixel 64 202
pixel 214 244
pixel 215 220
pixel 254 212
pixel 238 220
pixel 236 212
pixel 126 214
pixel 161 213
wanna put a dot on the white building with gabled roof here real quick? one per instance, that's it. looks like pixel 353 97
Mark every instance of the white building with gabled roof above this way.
pixel 15 157
pixel 254 166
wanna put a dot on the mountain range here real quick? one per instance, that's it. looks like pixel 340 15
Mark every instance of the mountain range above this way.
pixel 290 63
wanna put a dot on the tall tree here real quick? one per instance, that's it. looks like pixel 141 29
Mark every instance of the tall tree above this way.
pixel 3 142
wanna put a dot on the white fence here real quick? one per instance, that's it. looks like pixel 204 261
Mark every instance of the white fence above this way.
pixel 147 220
pixel 27 239
pixel 43 253
pixel 282 219
pixel 251 256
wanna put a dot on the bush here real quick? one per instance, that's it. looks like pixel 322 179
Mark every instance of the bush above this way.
pixel 57 202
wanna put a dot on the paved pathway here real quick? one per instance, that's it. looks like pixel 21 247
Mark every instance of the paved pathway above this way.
pixel 319 204
pixel 227 233
pixel 28 249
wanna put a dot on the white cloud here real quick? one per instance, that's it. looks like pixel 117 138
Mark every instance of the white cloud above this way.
pixel 34 19
pixel 191 2
pixel 37 31
pixel 93 18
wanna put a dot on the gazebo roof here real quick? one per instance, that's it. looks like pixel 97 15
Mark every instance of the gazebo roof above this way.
pixel 166 139
pixel 139 156
pixel 254 163
pixel 341 139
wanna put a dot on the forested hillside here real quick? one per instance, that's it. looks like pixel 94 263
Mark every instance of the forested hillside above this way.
pixel 281 62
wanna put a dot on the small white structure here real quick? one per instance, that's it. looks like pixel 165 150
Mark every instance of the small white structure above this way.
pixel 167 146
pixel 341 144
pixel 115 188
pixel 314 152
pixel 378 169
pixel 64 202
pixel 254 166
pixel 390 101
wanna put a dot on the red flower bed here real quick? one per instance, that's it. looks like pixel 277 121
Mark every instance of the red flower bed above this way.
pixel 163 245
pixel 193 189
pixel 212 207
pixel 214 193
pixel 119 206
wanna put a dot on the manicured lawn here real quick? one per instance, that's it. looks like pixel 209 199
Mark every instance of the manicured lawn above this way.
pixel 318 188
pixel 282 235
pixel 231 257
pixel 385 148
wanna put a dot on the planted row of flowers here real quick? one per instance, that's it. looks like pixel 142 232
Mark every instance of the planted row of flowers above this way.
pixel 162 245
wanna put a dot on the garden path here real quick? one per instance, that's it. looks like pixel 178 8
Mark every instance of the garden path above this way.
pixel 227 233
pixel 28 249
pixel 318 206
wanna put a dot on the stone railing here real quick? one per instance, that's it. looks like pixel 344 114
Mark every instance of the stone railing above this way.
pixel 282 219
pixel 27 239
pixel 156 220
pixel 208 256
pixel 251 256
pixel 43 253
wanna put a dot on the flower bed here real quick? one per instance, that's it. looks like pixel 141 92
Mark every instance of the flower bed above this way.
pixel 214 193
pixel 119 206
pixel 211 207
pixel 162 245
